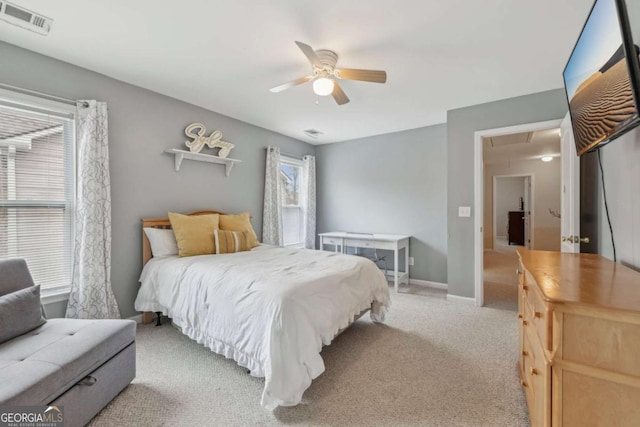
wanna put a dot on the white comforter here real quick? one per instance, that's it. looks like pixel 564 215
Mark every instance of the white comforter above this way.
pixel 271 309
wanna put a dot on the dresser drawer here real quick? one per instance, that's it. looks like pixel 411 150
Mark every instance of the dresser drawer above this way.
pixel 537 375
pixel 357 243
pixel 525 380
pixel 332 241
pixel 540 316
pixel 602 343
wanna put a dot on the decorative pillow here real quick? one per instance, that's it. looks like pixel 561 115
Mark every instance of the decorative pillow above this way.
pixel 240 222
pixel 194 234
pixel 228 242
pixel 20 312
pixel 163 242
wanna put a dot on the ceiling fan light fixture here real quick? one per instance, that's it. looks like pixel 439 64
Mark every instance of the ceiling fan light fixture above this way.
pixel 323 86
pixel 546 158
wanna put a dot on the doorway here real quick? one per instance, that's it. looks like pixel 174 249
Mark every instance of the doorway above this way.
pixel 516 151
pixel 513 211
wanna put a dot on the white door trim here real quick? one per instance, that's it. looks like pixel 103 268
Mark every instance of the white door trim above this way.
pixel 478 202
pixel 531 206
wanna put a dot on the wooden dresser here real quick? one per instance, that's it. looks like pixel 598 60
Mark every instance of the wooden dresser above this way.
pixel 579 336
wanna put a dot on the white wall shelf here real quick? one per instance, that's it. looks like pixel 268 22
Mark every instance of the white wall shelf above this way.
pixel 180 155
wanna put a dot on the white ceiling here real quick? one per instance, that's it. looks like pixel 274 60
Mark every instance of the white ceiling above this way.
pixel 521 146
pixel 224 55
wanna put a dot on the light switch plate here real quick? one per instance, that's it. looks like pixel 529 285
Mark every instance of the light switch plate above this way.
pixel 464 211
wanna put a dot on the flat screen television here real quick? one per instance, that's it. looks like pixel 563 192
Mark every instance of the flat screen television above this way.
pixel 602 78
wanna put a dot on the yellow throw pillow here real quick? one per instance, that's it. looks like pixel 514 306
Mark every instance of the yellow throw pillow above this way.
pixel 194 234
pixel 240 222
pixel 228 242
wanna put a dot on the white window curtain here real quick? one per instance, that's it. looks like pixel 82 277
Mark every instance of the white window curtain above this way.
pixel 272 212
pixel 91 296
pixel 309 201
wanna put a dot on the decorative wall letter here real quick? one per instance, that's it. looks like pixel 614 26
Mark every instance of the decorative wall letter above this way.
pixel 212 141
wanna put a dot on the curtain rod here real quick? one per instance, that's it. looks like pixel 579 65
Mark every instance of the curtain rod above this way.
pixel 41 95
pixel 293 156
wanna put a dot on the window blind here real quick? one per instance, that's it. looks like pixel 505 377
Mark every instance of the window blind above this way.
pixel 37 192
pixel 291 174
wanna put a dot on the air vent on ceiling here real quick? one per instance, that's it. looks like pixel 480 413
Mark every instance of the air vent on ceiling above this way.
pixel 24 18
pixel 313 133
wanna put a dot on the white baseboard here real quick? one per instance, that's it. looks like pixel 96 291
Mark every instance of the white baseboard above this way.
pixel 137 318
pixel 464 300
pixel 428 284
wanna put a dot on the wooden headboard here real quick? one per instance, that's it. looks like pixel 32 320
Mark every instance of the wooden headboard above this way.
pixel 164 224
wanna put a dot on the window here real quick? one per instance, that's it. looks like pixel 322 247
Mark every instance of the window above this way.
pixel 292 218
pixel 37 191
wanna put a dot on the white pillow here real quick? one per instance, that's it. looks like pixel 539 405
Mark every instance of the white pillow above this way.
pixel 163 242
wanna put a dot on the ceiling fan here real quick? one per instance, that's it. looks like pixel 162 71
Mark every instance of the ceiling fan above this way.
pixel 325 74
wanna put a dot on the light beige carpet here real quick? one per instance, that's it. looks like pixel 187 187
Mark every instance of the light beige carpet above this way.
pixel 434 363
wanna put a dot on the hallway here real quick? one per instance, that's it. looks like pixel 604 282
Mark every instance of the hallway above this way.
pixel 500 280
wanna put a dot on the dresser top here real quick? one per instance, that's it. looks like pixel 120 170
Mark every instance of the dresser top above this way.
pixel 585 279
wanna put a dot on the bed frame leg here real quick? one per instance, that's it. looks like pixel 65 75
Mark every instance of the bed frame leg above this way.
pixel 147 317
pixel 158 318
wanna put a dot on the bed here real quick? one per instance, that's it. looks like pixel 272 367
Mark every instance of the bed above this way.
pixel 270 309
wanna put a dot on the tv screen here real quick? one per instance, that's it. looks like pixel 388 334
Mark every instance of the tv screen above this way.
pixel 601 78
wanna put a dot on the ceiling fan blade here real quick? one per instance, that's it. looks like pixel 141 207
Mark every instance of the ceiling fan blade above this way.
pixel 291 84
pixel 374 76
pixel 310 54
pixel 339 95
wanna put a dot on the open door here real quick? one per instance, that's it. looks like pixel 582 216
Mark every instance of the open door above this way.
pixel 527 212
pixel 570 198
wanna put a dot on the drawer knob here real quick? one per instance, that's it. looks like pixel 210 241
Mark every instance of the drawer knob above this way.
pixel 519 316
pixel 533 371
pixel 525 288
pixel 523 383
pixel 537 314
pixel 524 322
pixel 525 353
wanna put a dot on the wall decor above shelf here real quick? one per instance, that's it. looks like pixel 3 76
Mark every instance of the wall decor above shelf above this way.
pixel 180 155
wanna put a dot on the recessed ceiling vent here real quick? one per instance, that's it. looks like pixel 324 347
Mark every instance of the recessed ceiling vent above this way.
pixel 24 18
pixel 313 133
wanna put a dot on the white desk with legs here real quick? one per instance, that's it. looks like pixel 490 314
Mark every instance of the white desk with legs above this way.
pixel 392 242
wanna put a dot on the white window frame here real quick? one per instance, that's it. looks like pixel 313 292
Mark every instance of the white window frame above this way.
pixel 292 161
pixel 36 104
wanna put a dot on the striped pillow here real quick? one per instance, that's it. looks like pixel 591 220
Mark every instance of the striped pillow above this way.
pixel 228 242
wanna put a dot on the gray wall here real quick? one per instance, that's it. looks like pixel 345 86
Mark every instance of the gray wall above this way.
pixel 393 183
pixel 142 124
pixel 461 126
pixel 621 165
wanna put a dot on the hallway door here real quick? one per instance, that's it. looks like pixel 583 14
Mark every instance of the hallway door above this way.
pixel 527 211
pixel 570 198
